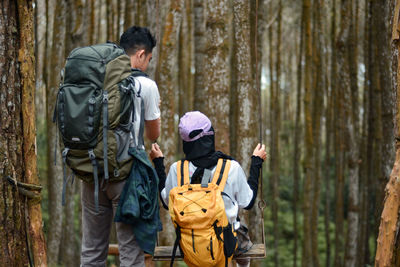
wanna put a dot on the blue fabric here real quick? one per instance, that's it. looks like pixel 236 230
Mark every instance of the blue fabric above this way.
pixel 138 205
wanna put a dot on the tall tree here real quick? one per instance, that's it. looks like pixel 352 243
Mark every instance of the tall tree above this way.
pixel 352 130
pixel 217 74
pixel 308 138
pixel 275 123
pixel 297 134
pixel 317 110
pixel 388 241
pixel 54 172
pixel 167 80
pixel 365 144
pixel 199 53
pixel 21 219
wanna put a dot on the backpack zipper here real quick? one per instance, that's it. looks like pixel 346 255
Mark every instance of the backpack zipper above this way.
pixel 211 249
pixel 194 250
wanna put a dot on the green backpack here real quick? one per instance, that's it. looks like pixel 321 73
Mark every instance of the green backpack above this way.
pixel 94 114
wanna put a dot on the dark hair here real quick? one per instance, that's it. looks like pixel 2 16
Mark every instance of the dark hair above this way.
pixel 135 38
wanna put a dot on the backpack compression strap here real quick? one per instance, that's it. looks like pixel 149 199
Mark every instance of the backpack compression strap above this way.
pixel 182 172
pixel 221 173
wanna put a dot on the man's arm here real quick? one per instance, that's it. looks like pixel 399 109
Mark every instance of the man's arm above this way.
pixel 152 129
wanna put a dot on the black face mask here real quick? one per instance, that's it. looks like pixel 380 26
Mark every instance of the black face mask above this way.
pixel 202 154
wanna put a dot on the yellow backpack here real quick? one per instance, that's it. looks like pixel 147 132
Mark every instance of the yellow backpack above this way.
pixel 203 232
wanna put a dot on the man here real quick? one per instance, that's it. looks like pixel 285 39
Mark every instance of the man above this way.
pixel 197 136
pixel 138 44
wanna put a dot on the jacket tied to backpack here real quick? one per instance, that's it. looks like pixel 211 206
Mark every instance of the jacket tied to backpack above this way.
pixel 204 234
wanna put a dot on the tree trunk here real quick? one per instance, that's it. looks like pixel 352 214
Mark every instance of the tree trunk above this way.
pixel 199 53
pixel 275 131
pixel 27 67
pixel 21 219
pixel 387 243
pixel 54 173
pixel 297 135
pixel 217 74
pixel 349 82
pixel 317 110
pixel 382 52
pixel 167 81
pixel 308 139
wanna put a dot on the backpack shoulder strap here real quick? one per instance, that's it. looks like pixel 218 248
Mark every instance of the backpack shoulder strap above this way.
pixel 221 173
pixel 182 172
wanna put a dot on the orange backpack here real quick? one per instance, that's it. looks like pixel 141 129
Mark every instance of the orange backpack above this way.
pixel 203 232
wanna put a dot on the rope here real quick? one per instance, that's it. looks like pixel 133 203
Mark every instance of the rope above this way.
pixel 26 189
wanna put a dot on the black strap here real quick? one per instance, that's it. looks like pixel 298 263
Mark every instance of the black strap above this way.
pixel 92 157
pixel 221 173
pixel 64 158
pixel 182 175
pixel 176 244
pixel 105 128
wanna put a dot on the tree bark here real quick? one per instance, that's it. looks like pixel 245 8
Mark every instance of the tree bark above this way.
pixel 217 74
pixel 20 221
pixel 27 62
pixel 297 135
pixel 349 82
pixel 167 80
pixel 317 110
pixel 308 139
pixel 54 172
pixel 387 243
pixel 199 53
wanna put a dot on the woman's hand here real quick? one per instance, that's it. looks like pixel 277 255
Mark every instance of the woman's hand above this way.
pixel 155 151
pixel 259 151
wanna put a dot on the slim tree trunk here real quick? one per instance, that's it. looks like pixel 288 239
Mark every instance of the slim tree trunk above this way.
pixel 275 142
pixel 297 135
pixel 27 63
pixel 308 139
pixel 352 122
pixel 54 173
pixel 317 110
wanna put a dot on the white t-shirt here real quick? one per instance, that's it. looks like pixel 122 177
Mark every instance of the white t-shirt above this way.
pixel 236 188
pixel 151 99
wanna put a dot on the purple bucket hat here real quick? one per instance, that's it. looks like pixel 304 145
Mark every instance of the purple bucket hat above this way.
pixel 194 120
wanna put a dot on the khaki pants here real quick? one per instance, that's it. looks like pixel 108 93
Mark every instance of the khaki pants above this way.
pixel 96 228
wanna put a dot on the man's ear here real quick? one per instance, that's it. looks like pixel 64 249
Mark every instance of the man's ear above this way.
pixel 141 53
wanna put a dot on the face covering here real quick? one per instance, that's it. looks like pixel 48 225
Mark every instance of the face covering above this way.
pixel 202 154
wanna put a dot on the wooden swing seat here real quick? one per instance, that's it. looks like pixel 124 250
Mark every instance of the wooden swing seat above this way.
pixel 163 253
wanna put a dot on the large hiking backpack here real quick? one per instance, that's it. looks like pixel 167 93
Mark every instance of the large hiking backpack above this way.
pixel 203 232
pixel 94 113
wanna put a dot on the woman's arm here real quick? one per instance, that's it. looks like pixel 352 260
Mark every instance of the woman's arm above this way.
pixel 257 159
pixel 158 159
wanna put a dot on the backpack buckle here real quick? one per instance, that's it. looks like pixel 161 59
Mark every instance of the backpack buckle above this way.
pixel 92 156
pixel 105 97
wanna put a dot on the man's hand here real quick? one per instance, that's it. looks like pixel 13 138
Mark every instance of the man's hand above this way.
pixel 155 151
pixel 259 151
